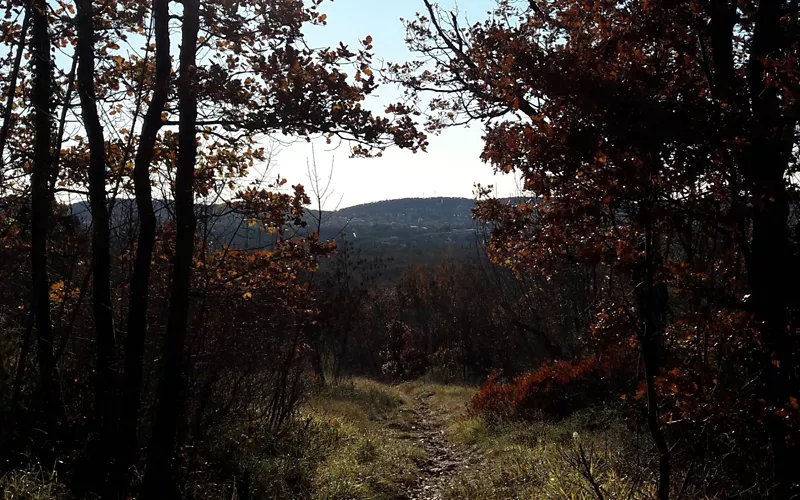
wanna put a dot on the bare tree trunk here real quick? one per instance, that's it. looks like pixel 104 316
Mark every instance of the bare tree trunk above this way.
pixel 137 310
pixel 767 272
pixel 62 123
pixel 765 164
pixel 42 98
pixel 105 400
pixel 22 360
pixel 651 305
pixel 12 86
pixel 159 476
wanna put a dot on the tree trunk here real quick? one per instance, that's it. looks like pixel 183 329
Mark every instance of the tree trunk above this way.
pixel 105 400
pixel 137 309
pixel 651 304
pixel 12 86
pixel 42 98
pixel 766 162
pixel 159 476
pixel 62 123
pixel 763 164
pixel 22 361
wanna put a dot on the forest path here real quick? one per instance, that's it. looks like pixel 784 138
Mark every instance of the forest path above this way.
pixel 394 441
pixel 443 459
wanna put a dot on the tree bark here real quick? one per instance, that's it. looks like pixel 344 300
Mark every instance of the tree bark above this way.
pixel 721 29
pixel 42 98
pixel 62 123
pixel 105 400
pixel 651 306
pixel 22 360
pixel 763 162
pixel 26 341
pixel 766 162
pixel 137 310
pixel 159 476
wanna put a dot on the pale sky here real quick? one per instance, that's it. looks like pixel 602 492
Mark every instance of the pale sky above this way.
pixel 451 166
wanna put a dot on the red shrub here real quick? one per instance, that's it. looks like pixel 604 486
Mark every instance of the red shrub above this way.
pixel 555 389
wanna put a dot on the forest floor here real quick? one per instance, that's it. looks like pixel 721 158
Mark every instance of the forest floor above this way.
pixel 361 440
pixel 417 441
pixel 443 458
pixel 407 426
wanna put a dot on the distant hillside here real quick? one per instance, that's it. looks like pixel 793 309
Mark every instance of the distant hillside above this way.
pixel 412 211
pixel 410 216
pixel 407 231
pixel 401 232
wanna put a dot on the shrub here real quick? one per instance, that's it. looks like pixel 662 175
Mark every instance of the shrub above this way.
pixel 556 389
pixel 404 352
pixel 263 465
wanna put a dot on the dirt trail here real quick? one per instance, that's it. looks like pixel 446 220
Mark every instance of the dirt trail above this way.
pixel 443 459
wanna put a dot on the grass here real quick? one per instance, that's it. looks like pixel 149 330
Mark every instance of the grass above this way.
pixel 373 457
pixel 513 459
pixel 358 399
pixel 357 440
pixel 350 441
pixel 538 460
pixel 451 401
pixel 580 458
pixel 31 484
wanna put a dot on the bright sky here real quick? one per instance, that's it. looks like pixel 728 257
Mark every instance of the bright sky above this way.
pixel 451 167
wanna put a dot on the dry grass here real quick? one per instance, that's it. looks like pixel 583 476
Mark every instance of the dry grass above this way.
pixel 356 440
pixel 451 401
pixel 348 442
pixel 374 457
pixel 587 456
pixel 31 484
pixel 584 457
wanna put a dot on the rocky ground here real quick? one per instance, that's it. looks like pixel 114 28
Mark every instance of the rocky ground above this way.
pixel 443 458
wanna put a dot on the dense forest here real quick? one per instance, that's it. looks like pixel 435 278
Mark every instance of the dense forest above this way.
pixel 178 321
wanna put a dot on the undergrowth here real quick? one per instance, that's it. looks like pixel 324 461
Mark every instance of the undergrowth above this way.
pixel 587 456
pixel 357 440
pixel 337 448
pixel 31 484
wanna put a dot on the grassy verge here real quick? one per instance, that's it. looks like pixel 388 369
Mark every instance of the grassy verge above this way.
pixel 373 457
pixel 349 442
pixel 358 440
pixel 449 401
pixel 32 484
pixel 353 440
pixel 587 456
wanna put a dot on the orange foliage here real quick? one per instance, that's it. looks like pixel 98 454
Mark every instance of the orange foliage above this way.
pixel 555 389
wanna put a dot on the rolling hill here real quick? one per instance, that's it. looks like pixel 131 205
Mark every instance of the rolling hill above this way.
pixel 401 232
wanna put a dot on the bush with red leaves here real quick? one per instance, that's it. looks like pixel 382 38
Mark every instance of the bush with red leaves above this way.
pixel 557 388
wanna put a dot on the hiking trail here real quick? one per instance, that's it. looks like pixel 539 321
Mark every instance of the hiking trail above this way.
pixel 443 459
